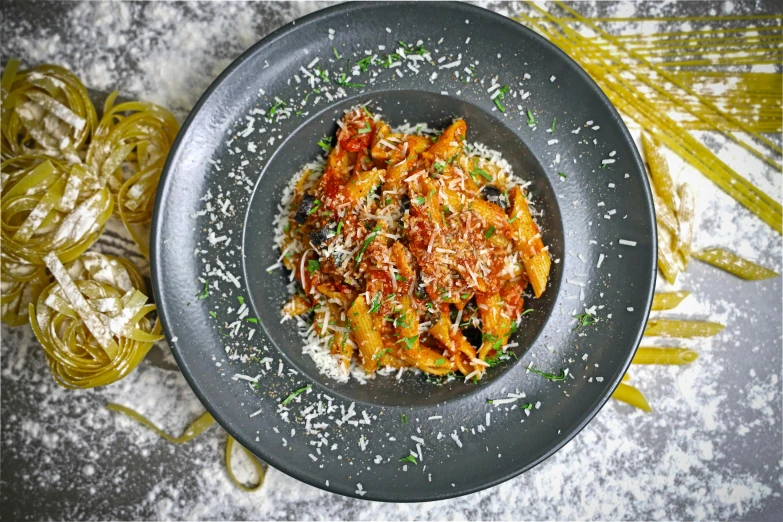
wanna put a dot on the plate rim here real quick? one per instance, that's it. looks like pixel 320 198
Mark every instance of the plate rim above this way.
pixel 156 247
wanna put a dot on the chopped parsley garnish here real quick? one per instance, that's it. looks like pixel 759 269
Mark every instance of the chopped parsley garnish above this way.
pixel 276 106
pixel 439 166
pixel 480 172
pixel 342 81
pixel 554 120
pixel 390 59
pixel 403 418
pixel 562 175
pixel 500 95
pixel 339 227
pixel 316 204
pixel 376 305
pixel 549 376
pixel 336 55
pixel 526 406
pixel 420 50
pixel 528 311
pixel 464 296
pixel 380 354
pixel 409 458
pixel 205 293
pixel 364 63
pixel 530 119
pixel 213 314
pixel 490 231
pixel 511 220
pixel 313 265
pixel 398 277
pixel 367 243
pixel 252 320
pixel 440 361
pixel 364 130
pixel 326 143
pixel 296 393
pixel 241 299
pixel 419 200
pixel 584 320
pixel 410 342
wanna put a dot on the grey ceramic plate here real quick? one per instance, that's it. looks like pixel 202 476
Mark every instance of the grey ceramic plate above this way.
pixel 213 220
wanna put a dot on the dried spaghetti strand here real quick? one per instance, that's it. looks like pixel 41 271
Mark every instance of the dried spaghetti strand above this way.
pixel 668 300
pixel 676 356
pixel 735 264
pixel 675 328
pixel 630 395
pixel 617 81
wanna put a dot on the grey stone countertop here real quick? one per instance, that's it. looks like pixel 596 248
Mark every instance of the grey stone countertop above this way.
pixel 712 449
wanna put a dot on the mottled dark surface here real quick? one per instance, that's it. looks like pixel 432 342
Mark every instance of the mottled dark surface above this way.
pixel 712 449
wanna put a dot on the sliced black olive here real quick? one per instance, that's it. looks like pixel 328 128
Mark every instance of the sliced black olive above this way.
pixel 493 195
pixel 319 236
pixel 406 203
pixel 305 207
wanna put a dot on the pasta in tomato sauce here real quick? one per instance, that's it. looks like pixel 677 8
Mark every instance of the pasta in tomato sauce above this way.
pixel 410 250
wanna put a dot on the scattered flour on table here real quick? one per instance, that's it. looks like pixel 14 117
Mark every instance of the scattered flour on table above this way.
pixel 680 462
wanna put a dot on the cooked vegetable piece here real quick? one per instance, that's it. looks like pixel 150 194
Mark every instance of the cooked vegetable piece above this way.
pixel 306 205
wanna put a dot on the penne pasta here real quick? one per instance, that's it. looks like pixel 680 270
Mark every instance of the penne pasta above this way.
pixel 365 336
pixel 734 264
pixel 527 237
pixel 685 218
pixel 668 300
pixel 401 242
pixel 675 328
pixel 659 171
pixel 678 356
pixel 630 395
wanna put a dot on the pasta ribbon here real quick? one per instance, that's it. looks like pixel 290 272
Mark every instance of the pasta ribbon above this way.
pixel 127 154
pixel 45 210
pixel 92 322
pixel 46 111
pixel 199 426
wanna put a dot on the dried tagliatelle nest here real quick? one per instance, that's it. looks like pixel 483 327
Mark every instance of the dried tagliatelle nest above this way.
pixel 93 321
pixel 65 173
